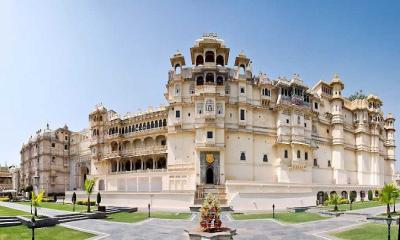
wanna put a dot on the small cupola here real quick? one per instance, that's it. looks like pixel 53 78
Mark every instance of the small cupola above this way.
pixel 337 86
pixel 242 62
pixel 177 61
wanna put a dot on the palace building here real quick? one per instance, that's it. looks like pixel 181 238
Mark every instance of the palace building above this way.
pixel 251 140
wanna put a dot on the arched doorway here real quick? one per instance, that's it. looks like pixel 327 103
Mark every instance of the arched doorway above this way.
pixel 210 176
pixel 320 197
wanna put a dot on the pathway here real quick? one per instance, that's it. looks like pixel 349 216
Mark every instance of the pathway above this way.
pixel 246 229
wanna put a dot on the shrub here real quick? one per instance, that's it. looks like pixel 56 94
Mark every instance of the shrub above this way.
pixel 84 202
pixel 47 200
pixel 344 201
pixel 4 199
pixel 375 199
pixel 326 202
pixel 370 195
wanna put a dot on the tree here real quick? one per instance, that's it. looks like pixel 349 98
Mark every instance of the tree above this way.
pixel 98 200
pixel 73 199
pixel 388 195
pixel 326 197
pixel 396 195
pixel 353 196
pixel 37 199
pixel 370 195
pixel 334 199
pixel 89 186
pixel 357 95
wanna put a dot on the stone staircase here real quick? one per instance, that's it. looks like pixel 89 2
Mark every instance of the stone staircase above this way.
pixel 71 217
pixel 203 190
pixel 9 221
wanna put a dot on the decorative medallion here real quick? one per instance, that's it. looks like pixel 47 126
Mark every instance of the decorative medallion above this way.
pixel 210 158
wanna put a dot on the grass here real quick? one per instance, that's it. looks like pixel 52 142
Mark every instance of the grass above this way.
pixel 62 207
pixel 54 233
pixel 140 216
pixel 357 205
pixel 284 217
pixel 370 231
pixel 5 211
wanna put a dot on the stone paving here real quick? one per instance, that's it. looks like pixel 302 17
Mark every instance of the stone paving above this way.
pixel 174 229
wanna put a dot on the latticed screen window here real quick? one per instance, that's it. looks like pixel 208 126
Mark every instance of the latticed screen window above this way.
pixel 209 105
pixel 227 89
pixel 191 89
pixel 199 108
pixel 220 108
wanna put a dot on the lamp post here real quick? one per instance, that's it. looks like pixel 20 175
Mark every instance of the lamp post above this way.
pixel 273 210
pixel 33 227
pixel 389 222
pixel 148 206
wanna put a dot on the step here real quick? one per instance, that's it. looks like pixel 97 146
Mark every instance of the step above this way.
pixel 196 208
pixel 8 219
pixel 78 216
pixel 72 219
pixel 9 224
pixel 69 215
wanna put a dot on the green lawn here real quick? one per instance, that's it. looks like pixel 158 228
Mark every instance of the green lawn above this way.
pixel 357 205
pixel 284 217
pixel 5 211
pixel 62 207
pixel 54 233
pixel 140 216
pixel 370 231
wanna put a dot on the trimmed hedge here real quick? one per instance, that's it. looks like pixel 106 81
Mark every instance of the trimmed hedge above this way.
pixel 4 199
pixel 84 202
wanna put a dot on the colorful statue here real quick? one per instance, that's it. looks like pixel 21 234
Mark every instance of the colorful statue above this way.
pixel 210 214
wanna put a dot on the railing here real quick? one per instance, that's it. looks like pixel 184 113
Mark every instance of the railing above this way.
pixel 136 152
pixel 161 170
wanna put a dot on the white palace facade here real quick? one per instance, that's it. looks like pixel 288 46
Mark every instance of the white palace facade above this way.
pixel 252 140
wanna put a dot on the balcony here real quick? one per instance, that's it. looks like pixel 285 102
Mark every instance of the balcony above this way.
pixel 136 152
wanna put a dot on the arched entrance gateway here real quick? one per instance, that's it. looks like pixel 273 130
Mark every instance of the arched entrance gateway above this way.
pixel 209 168
pixel 320 197
pixel 210 176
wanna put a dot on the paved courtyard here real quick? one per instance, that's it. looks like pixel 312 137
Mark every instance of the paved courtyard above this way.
pixel 246 229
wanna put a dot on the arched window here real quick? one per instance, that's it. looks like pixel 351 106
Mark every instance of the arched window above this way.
pixel 156 124
pixel 242 69
pixel 127 166
pixel 298 153
pixel 220 80
pixel 242 156
pixel 130 129
pixel 123 130
pixel 164 122
pixel 138 164
pixel 140 127
pixel 210 56
pixel 220 60
pixel 149 164
pixel 160 123
pixel 152 124
pixel 199 80
pixel 210 77
pixel 286 154
pixel 199 60
pixel 265 158
pixel 161 163
pixel 177 69
pixel 148 125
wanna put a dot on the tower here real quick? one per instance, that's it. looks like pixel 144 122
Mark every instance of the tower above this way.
pixel 340 175
pixel 391 146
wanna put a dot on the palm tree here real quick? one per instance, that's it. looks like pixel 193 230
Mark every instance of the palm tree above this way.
pixel 37 199
pixel 73 201
pixel 387 196
pixel 334 199
pixel 89 186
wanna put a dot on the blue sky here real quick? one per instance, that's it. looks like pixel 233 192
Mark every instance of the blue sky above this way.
pixel 60 58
